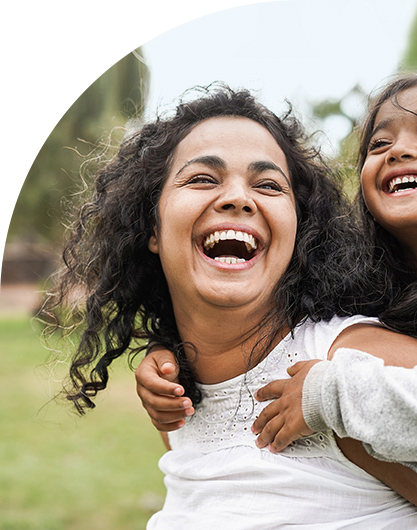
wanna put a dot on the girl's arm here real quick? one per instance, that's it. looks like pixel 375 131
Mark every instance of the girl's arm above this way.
pixel 356 395
pixel 161 395
pixel 393 350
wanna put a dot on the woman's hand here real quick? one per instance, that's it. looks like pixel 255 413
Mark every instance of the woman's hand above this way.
pixel 159 391
pixel 282 421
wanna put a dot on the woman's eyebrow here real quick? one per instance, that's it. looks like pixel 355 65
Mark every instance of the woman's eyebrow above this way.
pixel 266 165
pixel 214 162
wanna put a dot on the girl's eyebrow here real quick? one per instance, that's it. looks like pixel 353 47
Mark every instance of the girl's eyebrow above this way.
pixel 214 162
pixel 382 125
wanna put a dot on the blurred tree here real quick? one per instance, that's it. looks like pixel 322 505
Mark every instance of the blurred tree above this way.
pixel 350 107
pixel 88 129
pixel 409 61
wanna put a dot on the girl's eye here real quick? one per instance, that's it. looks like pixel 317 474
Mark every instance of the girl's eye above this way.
pixel 376 144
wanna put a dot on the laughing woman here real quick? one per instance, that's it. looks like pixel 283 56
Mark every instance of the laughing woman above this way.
pixel 214 233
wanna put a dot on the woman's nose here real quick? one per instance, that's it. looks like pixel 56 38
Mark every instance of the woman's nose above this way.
pixel 236 198
pixel 403 150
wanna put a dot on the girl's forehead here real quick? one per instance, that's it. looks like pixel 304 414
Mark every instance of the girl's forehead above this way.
pixel 403 102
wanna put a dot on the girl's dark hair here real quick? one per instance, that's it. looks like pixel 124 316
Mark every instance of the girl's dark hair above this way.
pixel 127 297
pixel 398 272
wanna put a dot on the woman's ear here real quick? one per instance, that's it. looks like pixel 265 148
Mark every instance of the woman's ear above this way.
pixel 153 242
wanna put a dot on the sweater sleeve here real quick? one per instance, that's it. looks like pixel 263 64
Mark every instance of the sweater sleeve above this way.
pixel 357 396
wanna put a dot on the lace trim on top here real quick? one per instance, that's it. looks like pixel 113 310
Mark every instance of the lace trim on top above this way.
pixel 228 409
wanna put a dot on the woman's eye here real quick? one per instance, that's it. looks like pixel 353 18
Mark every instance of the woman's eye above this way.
pixel 269 185
pixel 202 179
pixel 378 143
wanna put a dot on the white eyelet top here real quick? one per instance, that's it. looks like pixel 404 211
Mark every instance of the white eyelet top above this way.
pixel 215 474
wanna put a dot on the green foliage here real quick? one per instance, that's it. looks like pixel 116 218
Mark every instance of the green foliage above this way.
pixel 97 117
pixel 409 61
pixel 346 159
pixel 61 472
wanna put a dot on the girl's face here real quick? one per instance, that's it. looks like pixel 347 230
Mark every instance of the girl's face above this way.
pixel 389 174
pixel 227 216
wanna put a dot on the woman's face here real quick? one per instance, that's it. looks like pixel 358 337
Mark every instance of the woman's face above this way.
pixel 227 216
pixel 389 174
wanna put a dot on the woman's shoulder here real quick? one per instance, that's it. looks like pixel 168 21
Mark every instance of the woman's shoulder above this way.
pixel 396 349
pixel 316 338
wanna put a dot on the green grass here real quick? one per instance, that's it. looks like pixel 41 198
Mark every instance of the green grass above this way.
pixel 62 472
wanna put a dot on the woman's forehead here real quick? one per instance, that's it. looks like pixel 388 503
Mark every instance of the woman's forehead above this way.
pixel 224 134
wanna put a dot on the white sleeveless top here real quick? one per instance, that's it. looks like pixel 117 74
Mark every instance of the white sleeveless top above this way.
pixel 216 477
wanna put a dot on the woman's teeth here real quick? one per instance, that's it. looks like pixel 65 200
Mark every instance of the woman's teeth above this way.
pixel 394 184
pixel 229 259
pixel 230 235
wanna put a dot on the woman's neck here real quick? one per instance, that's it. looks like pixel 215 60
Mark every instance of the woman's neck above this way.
pixel 219 344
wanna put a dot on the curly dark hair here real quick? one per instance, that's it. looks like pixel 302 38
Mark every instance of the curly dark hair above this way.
pixel 398 272
pixel 127 297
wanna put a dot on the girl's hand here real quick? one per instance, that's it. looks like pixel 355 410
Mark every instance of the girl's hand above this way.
pixel 282 421
pixel 159 391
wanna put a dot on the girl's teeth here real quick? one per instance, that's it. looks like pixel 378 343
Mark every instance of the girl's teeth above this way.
pixel 400 180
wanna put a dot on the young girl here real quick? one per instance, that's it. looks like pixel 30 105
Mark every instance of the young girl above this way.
pixel 215 233
pixel 355 394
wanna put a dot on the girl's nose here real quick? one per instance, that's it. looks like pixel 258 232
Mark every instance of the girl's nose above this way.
pixel 403 150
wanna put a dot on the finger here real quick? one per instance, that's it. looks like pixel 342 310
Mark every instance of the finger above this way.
pixel 163 403
pixel 269 432
pixel 273 409
pixel 295 368
pixel 271 390
pixel 165 362
pixel 169 427
pixel 166 418
pixel 282 440
pixel 147 376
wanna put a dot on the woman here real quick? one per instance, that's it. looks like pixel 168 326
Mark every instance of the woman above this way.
pixel 218 231
pixel 356 394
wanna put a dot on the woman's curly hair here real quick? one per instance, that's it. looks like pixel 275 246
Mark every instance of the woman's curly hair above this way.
pixel 397 272
pixel 127 296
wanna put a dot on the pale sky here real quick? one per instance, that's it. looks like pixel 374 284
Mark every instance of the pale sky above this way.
pixel 303 50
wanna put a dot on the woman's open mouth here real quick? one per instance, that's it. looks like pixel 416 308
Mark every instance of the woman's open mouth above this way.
pixel 230 246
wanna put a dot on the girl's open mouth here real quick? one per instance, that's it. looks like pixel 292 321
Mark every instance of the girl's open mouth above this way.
pixel 407 182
